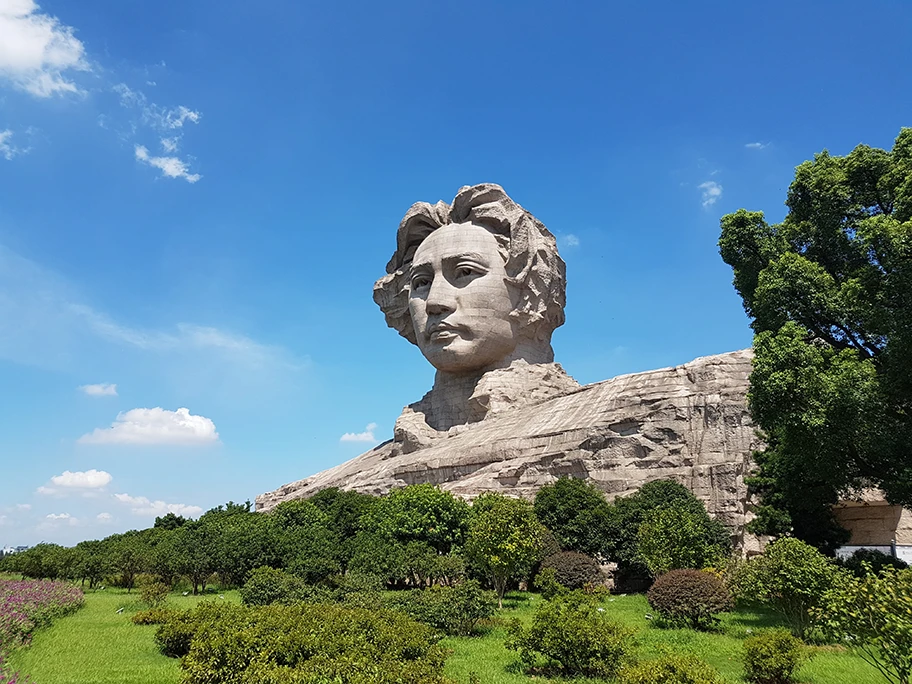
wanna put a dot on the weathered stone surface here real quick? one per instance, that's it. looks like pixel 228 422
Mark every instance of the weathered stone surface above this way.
pixel 479 287
pixel 689 423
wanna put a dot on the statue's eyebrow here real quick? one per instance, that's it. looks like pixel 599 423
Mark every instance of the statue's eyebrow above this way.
pixel 426 265
pixel 474 256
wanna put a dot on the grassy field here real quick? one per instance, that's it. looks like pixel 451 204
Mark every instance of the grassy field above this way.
pixel 98 645
pixel 487 657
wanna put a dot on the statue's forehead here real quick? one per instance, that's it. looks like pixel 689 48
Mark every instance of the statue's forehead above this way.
pixel 456 238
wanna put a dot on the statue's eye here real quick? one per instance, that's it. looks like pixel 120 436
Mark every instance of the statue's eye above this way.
pixel 420 281
pixel 466 272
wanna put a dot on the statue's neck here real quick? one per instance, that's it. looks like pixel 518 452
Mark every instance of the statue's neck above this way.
pixel 449 398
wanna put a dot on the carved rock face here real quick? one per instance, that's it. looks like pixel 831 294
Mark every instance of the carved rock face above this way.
pixel 459 300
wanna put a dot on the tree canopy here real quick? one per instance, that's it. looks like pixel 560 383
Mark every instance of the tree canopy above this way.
pixel 828 292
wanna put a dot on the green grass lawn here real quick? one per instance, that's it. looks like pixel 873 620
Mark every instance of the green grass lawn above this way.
pixel 97 645
pixel 493 664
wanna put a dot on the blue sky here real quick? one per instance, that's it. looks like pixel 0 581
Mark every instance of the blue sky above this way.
pixel 197 198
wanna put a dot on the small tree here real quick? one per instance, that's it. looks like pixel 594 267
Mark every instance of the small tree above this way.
pixel 504 539
pixel 791 577
pixel 874 615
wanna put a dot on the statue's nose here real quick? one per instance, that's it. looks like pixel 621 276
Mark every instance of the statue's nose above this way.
pixel 441 297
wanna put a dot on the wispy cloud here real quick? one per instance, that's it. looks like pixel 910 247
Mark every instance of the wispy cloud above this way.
pixel 58 516
pixel 7 149
pixel 569 240
pixel 104 518
pixel 37 52
pixel 140 505
pixel 366 436
pixel 45 324
pixel 712 191
pixel 756 145
pixel 171 167
pixel 100 390
pixel 155 426
pixel 167 122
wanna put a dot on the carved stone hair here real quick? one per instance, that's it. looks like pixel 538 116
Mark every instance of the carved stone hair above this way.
pixel 529 250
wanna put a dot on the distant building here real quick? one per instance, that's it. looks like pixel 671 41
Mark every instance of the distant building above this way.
pixel 10 550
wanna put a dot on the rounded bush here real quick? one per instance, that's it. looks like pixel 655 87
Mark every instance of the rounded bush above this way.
pixel 574 570
pixel 690 597
pixel 455 610
pixel 267 585
pixel 871 561
pixel 173 637
pixel 671 669
pixel 574 631
pixel 772 657
pixel 154 616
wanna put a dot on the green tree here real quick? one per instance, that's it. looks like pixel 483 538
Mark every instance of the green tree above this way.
pixel 576 511
pixel 129 555
pixel 673 539
pixel 505 539
pixel 191 544
pixel 93 563
pixel 828 292
pixel 169 521
pixel 420 513
pixel 792 578
pixel 626 515
pixel 344 509
pixel 873 614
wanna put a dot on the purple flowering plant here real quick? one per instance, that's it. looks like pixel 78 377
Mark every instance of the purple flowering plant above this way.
pixel 25 606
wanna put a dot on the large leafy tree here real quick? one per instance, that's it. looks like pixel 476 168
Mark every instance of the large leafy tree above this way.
pixel 420 513
pixel 575 511
pixel 829 292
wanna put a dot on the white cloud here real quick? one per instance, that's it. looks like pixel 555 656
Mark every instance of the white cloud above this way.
pixel 169 144
pixel 366 436
pixel 570 240
pixel 104 517
pixel 712 191
pixel 171 167
pixel 100 390
pixel 155 116
pixel 90 479
pixel 37 52
pixel 7 149
pixel 756 145
pixel 155 426
pixel 46 491
pixel 24 507
pixel 140 505
pixel 58 516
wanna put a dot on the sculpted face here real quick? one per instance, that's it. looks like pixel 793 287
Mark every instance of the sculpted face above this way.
pixel 459 300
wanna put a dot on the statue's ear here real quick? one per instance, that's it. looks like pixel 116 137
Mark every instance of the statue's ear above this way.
pixel 391 295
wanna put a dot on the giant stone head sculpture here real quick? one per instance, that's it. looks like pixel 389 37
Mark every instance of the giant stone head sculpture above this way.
pixel 476 284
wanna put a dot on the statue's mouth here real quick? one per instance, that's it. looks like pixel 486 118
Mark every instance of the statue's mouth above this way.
pixel 443 332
